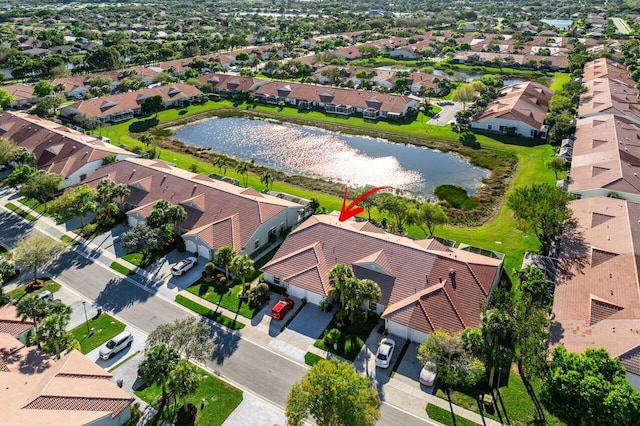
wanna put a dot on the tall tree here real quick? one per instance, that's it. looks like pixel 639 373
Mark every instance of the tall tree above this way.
pixel 427 217
pixel 267 179
pixel 77 201
pixel 188 336
pixel 41 186
pixel 6 99
pixel 370 293
pixel 164 212
pixel 542 209
pixel 242 168
pixel 48 106
pixel 242 268
pixel 338 277
pixel 398 207
pixel 141 238
pixel 333 393
pixel 20 175
pixel 556 164
pixel 35 309
pixel 184 380
pixel 159 361
pixel 590 389
pixel 455 365
pixel 43 88
pixel 223 258
pixel 106 58
pixel 7 150
pixel 152 105
pixel 221 163
pixel 368 203
pixel 36 250
pixel 464 93
pixel 53 331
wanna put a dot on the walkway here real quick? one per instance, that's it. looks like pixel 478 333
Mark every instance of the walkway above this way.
pixel 259 330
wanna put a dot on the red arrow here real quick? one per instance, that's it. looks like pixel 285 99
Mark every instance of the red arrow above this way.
pixel 351 210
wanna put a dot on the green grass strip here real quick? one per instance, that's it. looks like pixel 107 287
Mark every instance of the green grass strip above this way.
pixel 123 361
pixel 122 269
pixel 444 416
pixel 208 313
pixel 68 240
pixel 17 210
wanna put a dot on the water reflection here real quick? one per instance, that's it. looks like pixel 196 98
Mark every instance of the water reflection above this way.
pixel 355 160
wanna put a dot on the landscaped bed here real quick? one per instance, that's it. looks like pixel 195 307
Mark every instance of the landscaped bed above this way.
pixel 444 416
pixel 31 288
pixel 225 297
pixel 351 338
pixel 220 401
pixel 208 313
pixel 105 327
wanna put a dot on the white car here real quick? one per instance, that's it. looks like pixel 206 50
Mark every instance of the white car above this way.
pixel 115 345
pixel 183 266
pixel 428 374
pixel 385 352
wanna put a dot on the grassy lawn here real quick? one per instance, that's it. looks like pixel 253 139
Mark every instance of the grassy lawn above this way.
pixel 208 313
pixel 122 269
pixel 312 359
pixel 351 338
pixel 20 212
pixel 138 259
pixel 223 296
pixel 32 204
pixel 499 233
pixel 519 407
pixel 105 327
pixel 221 399
pixel 69 240
pixel 444 416
pixel 23 290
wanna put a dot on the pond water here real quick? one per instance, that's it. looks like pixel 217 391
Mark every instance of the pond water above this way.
pixel 561 24
pixel 355 160
pixel 455 75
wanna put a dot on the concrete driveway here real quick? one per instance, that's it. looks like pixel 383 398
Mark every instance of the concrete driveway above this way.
pixel 310 322
pixel 138 343
pixel 408 371
pixel 448 113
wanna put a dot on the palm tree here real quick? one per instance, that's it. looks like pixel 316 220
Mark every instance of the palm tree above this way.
pixel 158 362
pixel 338 277
pixel 223 258
pixel 242 268
pixel 370 292
pixel 53 329
pixel 184 380
pixel 33 308
pixel 242 168
pixel 121 191
pixel 221 163
pixel 266 178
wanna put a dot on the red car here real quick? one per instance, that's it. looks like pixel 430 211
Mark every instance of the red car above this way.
pixel 281 308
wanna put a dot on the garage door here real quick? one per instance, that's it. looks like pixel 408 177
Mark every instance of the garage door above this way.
pixel 190 246
pixel 297 292
pixel 398 330
pixel 204 251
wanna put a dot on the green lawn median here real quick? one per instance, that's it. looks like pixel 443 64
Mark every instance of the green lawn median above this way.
pixel 208 313
pixel 105 327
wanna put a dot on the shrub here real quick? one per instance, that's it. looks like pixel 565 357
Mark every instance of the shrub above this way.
pixel 332 336
pixel 89 229
pixel 325 305
pixel 136 414
pixel 209 269
pixel 259 294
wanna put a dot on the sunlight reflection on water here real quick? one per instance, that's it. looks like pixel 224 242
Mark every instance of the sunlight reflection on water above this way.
pixel 355 160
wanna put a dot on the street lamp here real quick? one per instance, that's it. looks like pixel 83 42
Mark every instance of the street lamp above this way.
pixel 84 306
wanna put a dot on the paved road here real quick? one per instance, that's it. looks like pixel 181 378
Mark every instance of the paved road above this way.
pixel 620 25
pixel 244 363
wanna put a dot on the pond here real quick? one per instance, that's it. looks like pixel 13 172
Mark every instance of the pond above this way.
pixel 454 75
pixel 561 24
pixel 354 160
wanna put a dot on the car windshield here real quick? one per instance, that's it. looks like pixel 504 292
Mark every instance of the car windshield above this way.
pixel 111 344
pixel 382 356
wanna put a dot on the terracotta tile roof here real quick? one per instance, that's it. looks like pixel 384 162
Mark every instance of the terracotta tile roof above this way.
pixel 11 322
pixel 231 82
pixel 525 102
pixel 73 82
pixel 39 391
pixel 605 96
pixel 57 148
pixel 20 92
pixel 606 154
pixel 403 268
pixel 597 296
pixel 130 101
pixel 606 68
pixel 219 213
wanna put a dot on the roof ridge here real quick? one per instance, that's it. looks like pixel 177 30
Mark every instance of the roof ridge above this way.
pixel 454 305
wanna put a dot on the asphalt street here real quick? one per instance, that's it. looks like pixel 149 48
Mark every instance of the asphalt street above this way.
pixel 248 365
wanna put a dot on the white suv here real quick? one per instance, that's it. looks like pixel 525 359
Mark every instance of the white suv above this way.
pixel 116 344
pixel 183 266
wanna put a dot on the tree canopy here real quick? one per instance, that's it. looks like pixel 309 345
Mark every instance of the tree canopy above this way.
pixel 333 393
pixel 36 250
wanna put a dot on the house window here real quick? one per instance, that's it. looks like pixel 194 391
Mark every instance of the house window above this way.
pixel 503 128
pixel 489 127
pixel 256 244
pixel 373 306
pixel 276 280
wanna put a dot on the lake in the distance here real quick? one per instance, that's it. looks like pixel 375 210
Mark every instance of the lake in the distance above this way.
pixel 355 160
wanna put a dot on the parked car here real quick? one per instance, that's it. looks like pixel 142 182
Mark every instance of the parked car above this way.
pixel 45 295
pixel 281 308
pixel 428 374
pixel 183 266
pixel 115 345
pixel 385 352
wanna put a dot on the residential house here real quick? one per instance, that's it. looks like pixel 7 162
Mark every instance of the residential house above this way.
pixel 123 106
pixel 228 85
pixel 38 391
pixel 11 323
pixel 77 86
pixel 58 149
pixel 597 303
pixel 22 94
pixel 609 96
pixel 606 158
pixel 218 213
pixel 425 285
pixel 520 109
pixel 607 68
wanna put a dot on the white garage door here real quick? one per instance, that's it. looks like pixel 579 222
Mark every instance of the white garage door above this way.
pixel 190 246
pixel 398 330
pixel 297 292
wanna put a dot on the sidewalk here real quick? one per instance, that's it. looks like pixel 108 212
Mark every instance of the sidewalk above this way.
pixel 393 392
